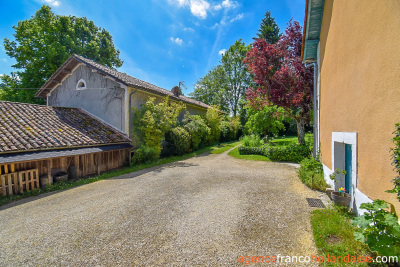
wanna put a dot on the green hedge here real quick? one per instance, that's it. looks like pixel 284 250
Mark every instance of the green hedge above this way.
pixel 289 153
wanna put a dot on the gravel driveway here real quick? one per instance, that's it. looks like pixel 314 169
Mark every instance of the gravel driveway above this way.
pixel 204 211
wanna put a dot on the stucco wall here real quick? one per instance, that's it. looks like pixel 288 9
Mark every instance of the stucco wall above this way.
pixel 360 84
pixel 107 104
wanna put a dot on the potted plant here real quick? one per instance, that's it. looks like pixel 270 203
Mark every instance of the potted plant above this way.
pixel 340 197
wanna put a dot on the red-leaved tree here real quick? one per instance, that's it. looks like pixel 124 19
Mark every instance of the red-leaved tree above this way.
pixel 281 77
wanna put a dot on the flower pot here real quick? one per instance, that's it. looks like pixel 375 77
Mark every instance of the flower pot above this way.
pixel 339 200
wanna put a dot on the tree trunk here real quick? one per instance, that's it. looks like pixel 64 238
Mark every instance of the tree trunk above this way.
pixel 301 121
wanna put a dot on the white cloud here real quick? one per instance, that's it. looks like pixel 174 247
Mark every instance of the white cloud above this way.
pixel 222 52
pixel 217 7
pixel 198 8
pixel 176 40
pixel 238 17
pixel 229 4
pixel 214 26
pixel 188 29
pixel 54 3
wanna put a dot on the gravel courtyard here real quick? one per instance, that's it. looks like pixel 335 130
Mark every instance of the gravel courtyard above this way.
pixel 204 211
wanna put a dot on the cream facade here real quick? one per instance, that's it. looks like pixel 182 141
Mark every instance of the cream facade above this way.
pixel 358 61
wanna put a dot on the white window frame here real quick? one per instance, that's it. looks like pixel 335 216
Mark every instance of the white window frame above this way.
pixel 81 88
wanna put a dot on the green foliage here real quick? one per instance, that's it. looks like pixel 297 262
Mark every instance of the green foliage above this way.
pixel 311 173
pixel 333 235
pixel 269 29
pixel 197 128
pixel 229 129
pixel 153 121
pixel 145 154
pixel 396 161
pixel 213 120
pixel 265 121
pixel 226 84
pixel 252 140
pixel 378 228
pixel 43 43
pixel 289 153
pixel 211 89
pixel 245 150
pixel 178 141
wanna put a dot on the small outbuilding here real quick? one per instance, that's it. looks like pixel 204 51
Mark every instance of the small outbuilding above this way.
pixel 39 142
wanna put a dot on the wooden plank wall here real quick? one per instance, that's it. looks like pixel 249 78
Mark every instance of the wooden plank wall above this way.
pixel 88 164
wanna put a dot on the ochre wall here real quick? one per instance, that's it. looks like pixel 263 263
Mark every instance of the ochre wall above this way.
pixel 360 85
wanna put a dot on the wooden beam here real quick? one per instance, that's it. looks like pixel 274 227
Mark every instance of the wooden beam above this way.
pixel 98 163
pixel 66 71
pixel 76 159
pixel 49 167
pixel 12 167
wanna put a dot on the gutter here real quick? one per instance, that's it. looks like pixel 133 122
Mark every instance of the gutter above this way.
pixel 315 108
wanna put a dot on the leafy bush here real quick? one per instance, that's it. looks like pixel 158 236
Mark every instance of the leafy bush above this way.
pixel 152 121
pixel 378 228
pixel 252 140
pixel 311 173
pixel 289 153
pixel 197 129
pixel 243 150
pixel 265 121
pixel 178 141
pixel 229 129
pixel 213 120
pixel 145 154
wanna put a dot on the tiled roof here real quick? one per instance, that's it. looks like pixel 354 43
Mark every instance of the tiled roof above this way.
pixel 28 127
pixel 121 77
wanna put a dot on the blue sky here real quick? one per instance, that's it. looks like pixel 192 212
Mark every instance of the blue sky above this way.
pixel 162 41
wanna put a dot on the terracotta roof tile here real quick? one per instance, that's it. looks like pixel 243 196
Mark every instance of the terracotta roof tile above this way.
pixel 26 127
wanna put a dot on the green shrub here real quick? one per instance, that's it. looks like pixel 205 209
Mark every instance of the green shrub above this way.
pixel 197 129
pixel 152 121
pixel 145 154
pixel 289 153
pixel 213 120
pixel 178 141
pixel 227 133
pixel 243 150
pixel 311 173
pixel 252 140
pixel 378 228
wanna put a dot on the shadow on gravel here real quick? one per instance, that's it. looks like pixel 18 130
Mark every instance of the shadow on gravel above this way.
pixel 158 169
pixel 29 199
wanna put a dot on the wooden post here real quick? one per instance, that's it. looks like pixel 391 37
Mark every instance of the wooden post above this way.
pixel 98 163
pixel 76 159
pixel 12 168
pixel 3 185
pixel 49 167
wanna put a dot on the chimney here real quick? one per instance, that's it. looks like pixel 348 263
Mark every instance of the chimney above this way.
pixel 175 90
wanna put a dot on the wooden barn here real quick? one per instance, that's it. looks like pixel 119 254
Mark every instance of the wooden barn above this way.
pixel 41 143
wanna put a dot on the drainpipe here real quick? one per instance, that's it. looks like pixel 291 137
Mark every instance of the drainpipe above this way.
pixel 315 107
pixel 129 111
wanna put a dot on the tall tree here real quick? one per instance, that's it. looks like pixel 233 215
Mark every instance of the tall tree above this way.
pixel 281 77
pixel 43 43
pixel 226 84
pixel 211 88
pixel 269 30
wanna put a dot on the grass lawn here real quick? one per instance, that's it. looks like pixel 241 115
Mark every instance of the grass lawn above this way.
pixel 235 153
pixel 224 147
pixel 280 141
pixel 333 235
pixel 117 172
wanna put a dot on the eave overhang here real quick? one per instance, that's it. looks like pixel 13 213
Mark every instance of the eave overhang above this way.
pixel 312 29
